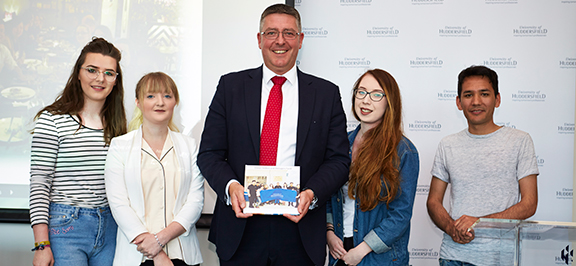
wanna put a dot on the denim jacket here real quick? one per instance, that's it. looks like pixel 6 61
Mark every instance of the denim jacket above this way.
pixel 385 229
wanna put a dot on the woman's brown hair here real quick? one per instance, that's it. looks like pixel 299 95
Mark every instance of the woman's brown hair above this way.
pixel 71 100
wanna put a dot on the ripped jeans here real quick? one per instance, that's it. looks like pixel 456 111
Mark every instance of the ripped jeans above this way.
pixel 82 236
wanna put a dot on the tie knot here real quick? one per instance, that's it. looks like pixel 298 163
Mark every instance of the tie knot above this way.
pixel 278 80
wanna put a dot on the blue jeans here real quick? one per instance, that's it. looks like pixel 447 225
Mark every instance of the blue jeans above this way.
pixel 444 262
pixel 82 236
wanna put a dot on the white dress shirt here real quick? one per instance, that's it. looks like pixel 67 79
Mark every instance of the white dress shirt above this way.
pixel 289 119
pixel 286 154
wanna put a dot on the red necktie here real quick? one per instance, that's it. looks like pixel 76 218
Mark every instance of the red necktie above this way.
pixel 271 126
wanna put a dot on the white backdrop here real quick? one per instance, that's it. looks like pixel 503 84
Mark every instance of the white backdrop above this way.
pixel 424 44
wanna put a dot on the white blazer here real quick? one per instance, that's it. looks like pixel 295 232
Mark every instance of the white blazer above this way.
pixel 126 198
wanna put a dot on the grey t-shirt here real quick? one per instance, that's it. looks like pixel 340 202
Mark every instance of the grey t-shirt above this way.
pixel 483 171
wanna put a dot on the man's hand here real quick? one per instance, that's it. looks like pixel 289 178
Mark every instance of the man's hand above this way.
pixel 236 192
pixel 305 199
pixel 464 223
pixel 442 219
pixel 457 236
pixel 458 229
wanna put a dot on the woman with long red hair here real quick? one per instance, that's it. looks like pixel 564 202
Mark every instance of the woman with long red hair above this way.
pixel 368 220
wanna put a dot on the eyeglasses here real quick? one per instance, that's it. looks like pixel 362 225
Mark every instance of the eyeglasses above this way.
pixel 273 34
pixel 93 73
pixel 375 95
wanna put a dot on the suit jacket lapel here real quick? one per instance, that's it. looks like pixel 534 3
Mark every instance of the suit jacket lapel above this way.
pixel 253 97
pixel 306 98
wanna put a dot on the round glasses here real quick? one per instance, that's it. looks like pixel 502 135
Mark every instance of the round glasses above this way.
pixel 374 96
pixel 273 34
pixel 93 73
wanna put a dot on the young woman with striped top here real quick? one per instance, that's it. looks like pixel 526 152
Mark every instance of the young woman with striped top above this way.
pixel 69 212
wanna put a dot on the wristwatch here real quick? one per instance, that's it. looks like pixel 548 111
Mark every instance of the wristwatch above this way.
pixel 314 202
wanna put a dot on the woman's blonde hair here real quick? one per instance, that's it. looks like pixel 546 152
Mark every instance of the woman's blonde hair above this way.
pixel 153 82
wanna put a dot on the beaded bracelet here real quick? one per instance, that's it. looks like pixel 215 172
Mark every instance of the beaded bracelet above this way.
pixel 158 241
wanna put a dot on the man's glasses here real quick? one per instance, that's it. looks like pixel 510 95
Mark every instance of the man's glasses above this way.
pixel 375 95
pixel 93 73
pixel 273 34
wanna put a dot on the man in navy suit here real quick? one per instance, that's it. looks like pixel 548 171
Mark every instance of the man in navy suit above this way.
pixel 312 135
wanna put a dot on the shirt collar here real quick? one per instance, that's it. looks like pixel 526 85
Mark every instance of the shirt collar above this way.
pixel 291 76
pixel 168 144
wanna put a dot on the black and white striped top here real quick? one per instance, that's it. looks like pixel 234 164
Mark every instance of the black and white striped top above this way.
pixel 66 166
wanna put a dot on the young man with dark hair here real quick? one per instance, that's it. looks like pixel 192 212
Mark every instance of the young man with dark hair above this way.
pixel 492 171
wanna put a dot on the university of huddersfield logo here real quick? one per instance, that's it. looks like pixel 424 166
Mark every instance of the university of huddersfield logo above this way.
pixel 567 255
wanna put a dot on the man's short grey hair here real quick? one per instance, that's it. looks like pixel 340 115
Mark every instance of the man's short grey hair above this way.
pixel 281 9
